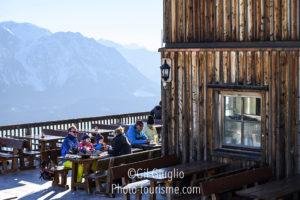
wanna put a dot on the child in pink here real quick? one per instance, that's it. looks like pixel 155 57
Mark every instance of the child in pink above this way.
pixel 85 145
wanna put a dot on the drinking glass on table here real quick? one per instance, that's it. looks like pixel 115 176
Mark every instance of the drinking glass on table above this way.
pixel 155 139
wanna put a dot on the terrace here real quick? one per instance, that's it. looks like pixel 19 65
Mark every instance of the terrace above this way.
pixel 230 116
pixel 26 183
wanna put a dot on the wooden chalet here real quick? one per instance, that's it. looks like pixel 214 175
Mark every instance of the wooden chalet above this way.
pixel 234 90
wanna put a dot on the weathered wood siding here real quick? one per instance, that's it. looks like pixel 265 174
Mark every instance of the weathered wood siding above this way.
pixel 231 20
pixel 191 102
pixel 201 71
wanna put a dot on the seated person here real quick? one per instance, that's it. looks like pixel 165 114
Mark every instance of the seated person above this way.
pixel 71 145
pixel 156 112
pixel 70 142
pixel 150 130
pixel 120 143
pixel 99 138
pixel 85 145
pixel 136 135
pixel 99 143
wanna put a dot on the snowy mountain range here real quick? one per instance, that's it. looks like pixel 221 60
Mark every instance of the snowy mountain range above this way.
pixel 51 76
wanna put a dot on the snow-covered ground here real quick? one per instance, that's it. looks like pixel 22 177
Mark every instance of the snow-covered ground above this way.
pixel 28 185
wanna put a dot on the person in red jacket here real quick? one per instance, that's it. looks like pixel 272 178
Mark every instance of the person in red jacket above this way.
pixel 85 145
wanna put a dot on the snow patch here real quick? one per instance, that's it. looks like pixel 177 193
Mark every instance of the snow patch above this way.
pixel 8 30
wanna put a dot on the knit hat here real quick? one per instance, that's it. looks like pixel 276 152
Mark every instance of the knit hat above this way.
pixel 150 120
pixel 85 136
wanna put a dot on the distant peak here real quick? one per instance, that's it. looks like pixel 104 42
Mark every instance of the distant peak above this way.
pixel 24 31
pixel 11 24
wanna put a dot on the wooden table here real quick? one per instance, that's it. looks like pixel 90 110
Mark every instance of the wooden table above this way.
pixel 43 141
pixel 273 189
pixel 189 169
pixel 87 164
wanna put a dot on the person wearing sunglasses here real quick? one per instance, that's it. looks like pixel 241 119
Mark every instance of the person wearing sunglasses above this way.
pixel 70 142
pixel 70 145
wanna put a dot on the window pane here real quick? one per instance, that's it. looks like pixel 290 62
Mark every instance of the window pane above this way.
pixel 242 121
pixel 251 106
pixel 233 108
pixel 233 131
pixel 252 134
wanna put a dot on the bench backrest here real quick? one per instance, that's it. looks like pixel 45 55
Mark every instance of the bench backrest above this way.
pixel 150 164
pixel 235 181
pixel 154 153
pixel 133 157
pixel 14 143
pixel 105 164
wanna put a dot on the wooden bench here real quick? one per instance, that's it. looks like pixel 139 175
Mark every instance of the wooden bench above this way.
pixel 121 172
pixel 60 177
pixel 217 174
pixel 103 165
pixel 30 155
pixel 99 177
pixel 287 188
pixel 135 157
pixel 220 185
pixel 27 151
pixel 13 152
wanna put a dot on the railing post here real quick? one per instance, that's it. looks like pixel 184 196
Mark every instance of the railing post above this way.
pixel 118 120
pixel 28 131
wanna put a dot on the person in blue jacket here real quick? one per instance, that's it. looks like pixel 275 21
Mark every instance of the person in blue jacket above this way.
pixel 135 134
pixel 71 145
pixel 70 142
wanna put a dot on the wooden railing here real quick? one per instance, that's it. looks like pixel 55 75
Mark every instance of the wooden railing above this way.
pixel 81 123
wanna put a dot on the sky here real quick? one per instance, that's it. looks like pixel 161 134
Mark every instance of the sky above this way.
pixel 123 21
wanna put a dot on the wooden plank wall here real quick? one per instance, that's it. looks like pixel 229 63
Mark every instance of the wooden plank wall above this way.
pixel 191 105
pixel 231 20
pixel 298 121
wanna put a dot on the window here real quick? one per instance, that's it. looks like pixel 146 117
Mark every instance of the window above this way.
pixel 241 120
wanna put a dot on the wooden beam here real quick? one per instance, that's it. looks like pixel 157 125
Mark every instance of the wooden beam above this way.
pixel 235 45
pixel 231 86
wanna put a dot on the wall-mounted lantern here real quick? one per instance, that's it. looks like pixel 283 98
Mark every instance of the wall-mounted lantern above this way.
pixel 165 69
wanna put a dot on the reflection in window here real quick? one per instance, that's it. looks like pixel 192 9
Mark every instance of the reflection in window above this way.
pixel 242 121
